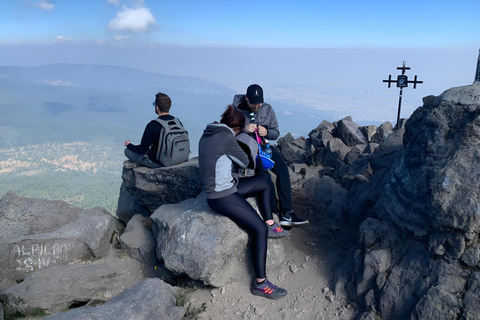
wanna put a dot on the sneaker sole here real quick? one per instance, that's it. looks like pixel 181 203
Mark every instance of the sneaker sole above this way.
pixel 268 296
pixel 293 224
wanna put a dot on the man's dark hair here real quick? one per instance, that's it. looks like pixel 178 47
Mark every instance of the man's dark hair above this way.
pixel 233 118
pixel 163 102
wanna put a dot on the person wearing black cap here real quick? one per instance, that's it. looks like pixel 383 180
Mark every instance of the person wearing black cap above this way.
pixel 260 117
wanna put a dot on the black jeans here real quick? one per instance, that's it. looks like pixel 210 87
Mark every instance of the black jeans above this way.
pixel 284 188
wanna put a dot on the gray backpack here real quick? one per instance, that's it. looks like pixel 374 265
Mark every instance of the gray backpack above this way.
pixel 173 145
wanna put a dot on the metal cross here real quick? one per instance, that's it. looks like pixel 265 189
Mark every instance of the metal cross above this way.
pixel 402 82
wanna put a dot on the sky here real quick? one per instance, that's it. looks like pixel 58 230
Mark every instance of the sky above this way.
pixel 312 52
pixel 279 23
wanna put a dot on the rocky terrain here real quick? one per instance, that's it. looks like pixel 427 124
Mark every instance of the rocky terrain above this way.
pixel 394 224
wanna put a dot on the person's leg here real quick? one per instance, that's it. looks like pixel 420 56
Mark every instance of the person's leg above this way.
pixel 273 196
pixel 284 188
pixel 241 212
pixel 141 159
pixel 288 218
pixel 257 186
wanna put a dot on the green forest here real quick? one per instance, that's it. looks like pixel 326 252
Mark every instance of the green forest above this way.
pixel 85 174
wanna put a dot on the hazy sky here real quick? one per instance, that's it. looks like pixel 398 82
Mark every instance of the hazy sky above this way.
pixel 265 23
pixel 325 54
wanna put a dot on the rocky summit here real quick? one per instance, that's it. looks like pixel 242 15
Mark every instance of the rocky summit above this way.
pixel 409 195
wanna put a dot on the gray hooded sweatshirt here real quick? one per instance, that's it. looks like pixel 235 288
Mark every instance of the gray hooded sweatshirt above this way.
pixel 219 156
pixel 265 116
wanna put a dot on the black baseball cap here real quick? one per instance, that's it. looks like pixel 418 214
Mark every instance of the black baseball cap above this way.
pixel 255 94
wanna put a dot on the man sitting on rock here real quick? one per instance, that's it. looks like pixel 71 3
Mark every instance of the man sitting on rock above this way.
pixel 260 118
pixel 145 153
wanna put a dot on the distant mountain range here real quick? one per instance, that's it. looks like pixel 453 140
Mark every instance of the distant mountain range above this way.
pixel 121 97
pixel 63 125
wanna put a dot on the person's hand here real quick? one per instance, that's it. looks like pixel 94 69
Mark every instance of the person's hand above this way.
pixel 251 127
pixel 126 143
pixel 262 131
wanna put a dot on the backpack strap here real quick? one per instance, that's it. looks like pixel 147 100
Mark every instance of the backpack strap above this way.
pixel 165 123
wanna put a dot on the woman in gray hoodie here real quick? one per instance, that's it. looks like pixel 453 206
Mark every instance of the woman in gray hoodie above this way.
pixel 219 156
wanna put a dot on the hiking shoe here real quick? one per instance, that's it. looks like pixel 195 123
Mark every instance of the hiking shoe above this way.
pixel 268 290
pixel 290 219
pixel 275 231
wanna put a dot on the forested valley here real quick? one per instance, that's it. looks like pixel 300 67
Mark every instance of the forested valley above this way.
pixel 85 174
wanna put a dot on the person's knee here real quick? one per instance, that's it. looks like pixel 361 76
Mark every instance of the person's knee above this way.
pixel 261 230
pixel 129 154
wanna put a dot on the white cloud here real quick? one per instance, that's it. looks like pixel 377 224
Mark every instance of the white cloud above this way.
pixel 120 38
pixel 58 82
pixel 43 4
pixel 287 112
pixel 133 20
pixel 114 2
pixel 62 39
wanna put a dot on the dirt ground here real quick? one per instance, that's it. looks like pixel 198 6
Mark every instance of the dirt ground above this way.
pixel 313 254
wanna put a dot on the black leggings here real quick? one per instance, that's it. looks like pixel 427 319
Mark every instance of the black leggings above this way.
pixel 236 208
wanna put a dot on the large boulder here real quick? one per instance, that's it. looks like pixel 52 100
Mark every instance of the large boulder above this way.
pixel 349 132
pixel 155 187
pixel 419 248
pixel 87 233
pixel 150 299
pixel 432 187
pixel 128 206
pixel 382 133
pixel 138 241
pixel 321 134
pixel 20 216
pixel 62 287
pixel 194 240
pixel 295 150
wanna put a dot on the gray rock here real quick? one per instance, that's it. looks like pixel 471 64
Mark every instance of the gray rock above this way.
pixel 155 187
pixel 138 241
pixel 474 283
pixel 304 171
pixel 92 234
pixel 295 151
pixel 21 216
pixel 374 263
pixel 150 299
pixel 353 155
pixel 432 185
pixel 349 132
pixel 322 134
pixel 368 131
pixel 370 148
pixel 328 192
pixel 471 306
pixel 128 206
pixel 368 316
pixel 438 303
pixel 382 133
pixel 206 246
pixel 407 282
pixel 63 286
pixel 333 154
